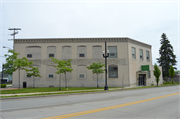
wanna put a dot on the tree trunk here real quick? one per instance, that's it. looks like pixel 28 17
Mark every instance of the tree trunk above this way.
pixel 65 82
pixel 97 81
pixel 33 82
pixel 59 82
pixel 19 79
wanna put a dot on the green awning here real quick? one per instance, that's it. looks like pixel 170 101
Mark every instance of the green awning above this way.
pixel 145 68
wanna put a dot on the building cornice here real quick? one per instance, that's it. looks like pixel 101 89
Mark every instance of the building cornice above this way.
pixel 79 40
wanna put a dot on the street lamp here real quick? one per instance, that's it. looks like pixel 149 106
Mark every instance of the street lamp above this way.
pixel 7 47
pixel 105 55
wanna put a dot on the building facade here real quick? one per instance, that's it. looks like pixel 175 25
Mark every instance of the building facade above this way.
pixel 129 62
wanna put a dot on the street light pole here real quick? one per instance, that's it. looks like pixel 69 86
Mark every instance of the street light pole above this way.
pixel 2 71
pixel 105 55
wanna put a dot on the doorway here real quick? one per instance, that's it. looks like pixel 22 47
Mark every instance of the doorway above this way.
pixel 142 80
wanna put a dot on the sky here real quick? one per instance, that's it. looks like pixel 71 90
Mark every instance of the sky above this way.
pixel 142 20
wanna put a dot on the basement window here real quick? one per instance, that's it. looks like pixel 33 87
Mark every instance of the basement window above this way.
pixel 29 55
pixel 81 55
pixel 51 76
pixel 28 76
pixel 81 76
pixel 51 55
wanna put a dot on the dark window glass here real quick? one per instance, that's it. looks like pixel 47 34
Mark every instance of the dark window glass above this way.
pixel 81 55
pixel 81 75
pixel 113 71
pixel 28 76
pixel 29 55
pixel 51 55
pixel 51 76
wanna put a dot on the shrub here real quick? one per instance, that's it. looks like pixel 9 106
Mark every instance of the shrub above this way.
pixel 3 85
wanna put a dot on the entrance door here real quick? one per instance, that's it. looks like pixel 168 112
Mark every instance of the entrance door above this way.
pixel 142 80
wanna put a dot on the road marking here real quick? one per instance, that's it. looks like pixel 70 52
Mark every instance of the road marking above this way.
pixel 107 108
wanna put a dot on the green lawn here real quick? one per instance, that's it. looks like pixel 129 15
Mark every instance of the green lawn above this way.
pixel 70 89
pixel 48 89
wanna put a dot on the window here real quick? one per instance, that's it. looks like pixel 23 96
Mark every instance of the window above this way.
pixel 112 51
pixel 28 76
pixel 81 55
pixel 113 71
pixel 81 76
pixel 149 74
pixel 147 55
pixel 29 55
pixel 51 75
pixel 141 54
pixel 51 55
pixel 133 53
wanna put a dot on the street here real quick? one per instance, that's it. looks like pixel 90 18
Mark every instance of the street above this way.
pixel 150 103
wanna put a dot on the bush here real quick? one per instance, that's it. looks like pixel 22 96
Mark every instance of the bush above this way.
pixel 3 85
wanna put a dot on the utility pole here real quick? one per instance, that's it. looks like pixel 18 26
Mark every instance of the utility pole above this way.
pixel 13 34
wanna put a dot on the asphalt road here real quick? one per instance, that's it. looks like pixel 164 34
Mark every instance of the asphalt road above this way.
pixel 152 103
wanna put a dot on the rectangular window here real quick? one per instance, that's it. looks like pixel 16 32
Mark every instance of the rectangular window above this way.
pixel 51 55
pixel 81 55
pixel 28 76
pixel 112 51
pixel 147 55
pixel 81 76
pixel 113 71
pixel 29 55
pixel 133 53
pixel 149 74
pixel 141 54
pixel 51 75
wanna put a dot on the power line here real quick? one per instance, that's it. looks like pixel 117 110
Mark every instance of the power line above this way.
pixel 13 34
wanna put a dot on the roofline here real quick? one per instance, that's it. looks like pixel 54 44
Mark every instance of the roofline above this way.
pixel 63 40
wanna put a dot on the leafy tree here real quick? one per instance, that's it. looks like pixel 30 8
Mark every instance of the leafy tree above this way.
pixel 157 73
pixel 16 64
pixel 172 73
pixel 21 64
pixel 167 56
pixel 62 67
pixel 34 71
pixel 8 66
pixel 97 69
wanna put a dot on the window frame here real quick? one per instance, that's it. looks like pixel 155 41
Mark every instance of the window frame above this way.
pixel 28 76
pixel 51 75
pixel 147 56
pixel 29 55
pixel 133 55
pixel 140 54
pixel 51 54
pixel 81 54
pixel 115 53
pixel 81 75
pixel 113 71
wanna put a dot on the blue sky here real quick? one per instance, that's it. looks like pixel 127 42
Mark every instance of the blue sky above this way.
pixel 144 21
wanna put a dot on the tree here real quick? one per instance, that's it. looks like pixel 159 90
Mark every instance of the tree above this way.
pixel 62 67
pixel 8 66
pixel 157 73
pixel 172 73
pixel 167 56
pixel 21 64
pixel 16 64
pixel 34 71
pixel 97 69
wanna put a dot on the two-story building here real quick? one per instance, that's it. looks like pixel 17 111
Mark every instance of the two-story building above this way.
pixel 129 62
